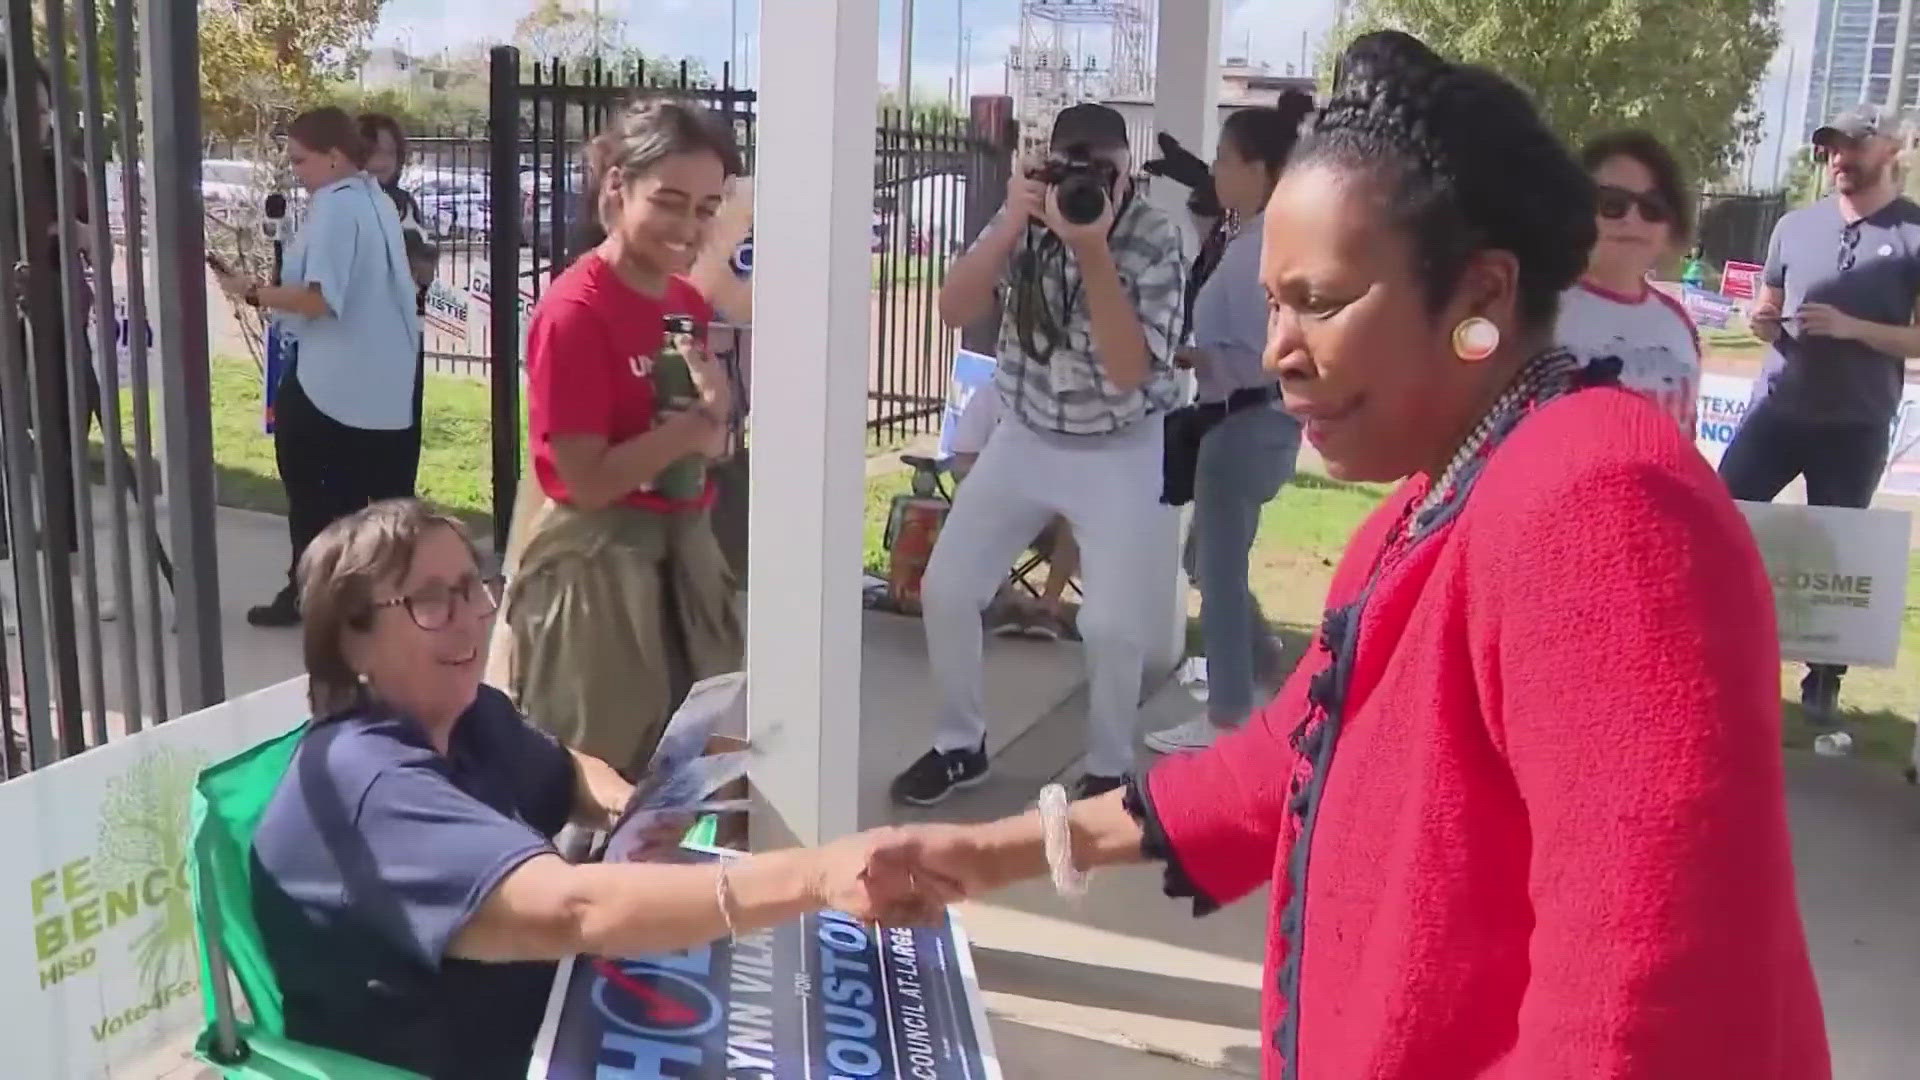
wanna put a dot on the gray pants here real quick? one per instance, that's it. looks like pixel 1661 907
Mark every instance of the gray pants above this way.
pixel 1108 489
pixel 1244 461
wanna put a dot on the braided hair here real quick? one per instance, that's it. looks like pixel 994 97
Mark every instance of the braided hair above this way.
pixel 1469 164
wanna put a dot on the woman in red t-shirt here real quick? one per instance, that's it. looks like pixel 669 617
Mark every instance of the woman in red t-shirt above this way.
pixel 621 597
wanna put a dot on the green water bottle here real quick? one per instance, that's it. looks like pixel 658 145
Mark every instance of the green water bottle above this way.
pixel 674 391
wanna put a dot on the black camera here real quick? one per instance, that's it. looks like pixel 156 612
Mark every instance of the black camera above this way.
pixel 1081 183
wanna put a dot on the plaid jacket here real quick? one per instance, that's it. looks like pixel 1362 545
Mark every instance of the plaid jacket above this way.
pixel 1067 391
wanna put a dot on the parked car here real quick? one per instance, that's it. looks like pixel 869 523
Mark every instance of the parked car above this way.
pixel 453 204
pixel 536 205
pixel 227 189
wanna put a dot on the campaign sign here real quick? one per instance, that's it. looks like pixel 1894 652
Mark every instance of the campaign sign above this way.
pixel 972 372
pixel 1839 580
pixel 1741 280
pixel 280 353
pixel 826 997
pixel 1723 404
pixel 1708 310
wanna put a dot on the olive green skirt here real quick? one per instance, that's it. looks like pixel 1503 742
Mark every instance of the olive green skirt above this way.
pixel 611 615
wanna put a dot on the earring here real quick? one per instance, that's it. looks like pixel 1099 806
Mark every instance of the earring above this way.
pixel 1475 339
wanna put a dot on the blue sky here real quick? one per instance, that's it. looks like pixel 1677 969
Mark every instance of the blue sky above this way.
pixel 700 28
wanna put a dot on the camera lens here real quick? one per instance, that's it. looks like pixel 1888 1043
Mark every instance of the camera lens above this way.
pixel 1082 198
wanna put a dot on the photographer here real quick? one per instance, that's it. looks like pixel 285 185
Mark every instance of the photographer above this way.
pixel 1093 280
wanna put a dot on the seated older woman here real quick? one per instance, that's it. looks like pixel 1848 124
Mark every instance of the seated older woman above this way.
pixel 406 881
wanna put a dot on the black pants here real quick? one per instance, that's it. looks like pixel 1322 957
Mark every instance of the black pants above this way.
pixel 1841 461
pixel 330 470
pixel 63 442
pixel 417 431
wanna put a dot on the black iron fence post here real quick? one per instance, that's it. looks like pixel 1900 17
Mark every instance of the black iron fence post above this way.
pixel 170 39
pixel 504 283
pixel 989 168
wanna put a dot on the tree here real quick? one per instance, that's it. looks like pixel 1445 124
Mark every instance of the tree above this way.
pixel 1803 178
pixel 1686 70
pixel 277 55
pixel 559 30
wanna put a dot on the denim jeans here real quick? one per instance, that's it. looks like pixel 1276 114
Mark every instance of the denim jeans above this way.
pixel 1244 461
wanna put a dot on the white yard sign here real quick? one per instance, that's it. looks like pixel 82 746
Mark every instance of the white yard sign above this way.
pixel 1839 580
pixel 98 962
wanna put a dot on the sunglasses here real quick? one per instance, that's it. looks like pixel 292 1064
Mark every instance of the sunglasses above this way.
pixel 1614 202
pixel 1849 246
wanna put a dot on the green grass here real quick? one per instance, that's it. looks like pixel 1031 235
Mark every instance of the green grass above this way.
pixel 455 461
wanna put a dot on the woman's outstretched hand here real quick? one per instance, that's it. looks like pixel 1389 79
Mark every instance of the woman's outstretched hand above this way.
pixel 874 876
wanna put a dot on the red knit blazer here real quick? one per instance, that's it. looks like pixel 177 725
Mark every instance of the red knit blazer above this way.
pixel 1551 839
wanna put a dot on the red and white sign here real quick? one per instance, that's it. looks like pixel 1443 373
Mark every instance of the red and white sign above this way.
pixel 1741 281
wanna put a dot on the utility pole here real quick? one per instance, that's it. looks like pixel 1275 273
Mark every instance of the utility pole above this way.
pixel 733 42
pixel 959 54
pixel 906 56
pixel 1897 86
pixel 1786 123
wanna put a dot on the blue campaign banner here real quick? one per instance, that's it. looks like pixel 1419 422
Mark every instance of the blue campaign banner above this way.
pixel 281 348
pixel 1709 310
pixel 823 997
pixel 972 372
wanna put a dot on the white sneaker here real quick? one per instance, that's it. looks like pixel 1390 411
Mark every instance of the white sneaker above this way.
pixel 1196 734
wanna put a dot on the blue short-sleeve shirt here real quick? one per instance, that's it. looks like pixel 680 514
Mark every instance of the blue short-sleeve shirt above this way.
pixel 358 362
pixel 375 852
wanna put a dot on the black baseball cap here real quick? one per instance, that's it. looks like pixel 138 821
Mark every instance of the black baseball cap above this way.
pixel 1095 127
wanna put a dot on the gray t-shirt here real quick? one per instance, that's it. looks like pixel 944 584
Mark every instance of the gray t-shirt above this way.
pixel 1823 379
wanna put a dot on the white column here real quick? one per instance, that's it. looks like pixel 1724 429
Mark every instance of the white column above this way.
pixel 1186 86
pixel 812 280
pixel 1186 105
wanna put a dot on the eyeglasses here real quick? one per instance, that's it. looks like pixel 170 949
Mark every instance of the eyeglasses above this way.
pixel 433 607
pixel 1849 245
pixel 1614 202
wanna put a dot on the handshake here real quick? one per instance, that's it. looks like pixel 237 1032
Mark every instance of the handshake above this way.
pixel 907 875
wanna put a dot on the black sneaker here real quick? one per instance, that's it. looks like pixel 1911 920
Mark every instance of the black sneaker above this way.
pixel 1092 787
pixel 283 612
pixel 937 775
pixel 1820 696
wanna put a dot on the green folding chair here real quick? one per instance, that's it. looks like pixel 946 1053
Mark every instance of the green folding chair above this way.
pixel 229 799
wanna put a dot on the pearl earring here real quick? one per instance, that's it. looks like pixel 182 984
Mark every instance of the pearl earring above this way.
pixel 1475 339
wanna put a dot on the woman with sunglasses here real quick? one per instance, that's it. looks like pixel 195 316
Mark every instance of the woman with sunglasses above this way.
pixel 1642 214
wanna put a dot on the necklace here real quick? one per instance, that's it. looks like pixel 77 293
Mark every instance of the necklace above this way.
pixel 1542 379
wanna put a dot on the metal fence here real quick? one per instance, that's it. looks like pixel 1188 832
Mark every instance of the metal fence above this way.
pixel 932 176
pixel 1736 226
pixel 89 266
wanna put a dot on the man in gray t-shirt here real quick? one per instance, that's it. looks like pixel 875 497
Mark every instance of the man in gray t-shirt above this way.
pixel 1837 310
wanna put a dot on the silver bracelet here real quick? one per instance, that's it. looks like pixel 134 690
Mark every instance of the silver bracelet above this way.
pixel 1057 833
pixel 723 896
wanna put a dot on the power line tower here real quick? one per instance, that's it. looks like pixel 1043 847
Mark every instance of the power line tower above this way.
pixel 1059 58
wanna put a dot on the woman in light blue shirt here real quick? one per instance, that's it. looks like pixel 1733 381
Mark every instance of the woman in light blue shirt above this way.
pixel 343 412
pixel 1248 452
